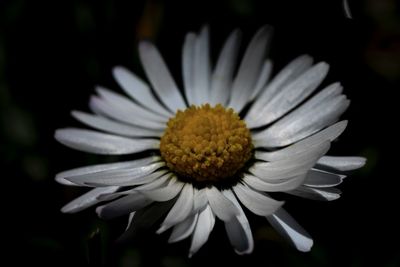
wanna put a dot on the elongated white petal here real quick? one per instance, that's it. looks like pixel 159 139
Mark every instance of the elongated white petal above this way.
pixel 285 225
pixel 139 90
pixel 289 168
pixel 222 207
pixel 249 69
pixel 222 76
pixel 107 125
pixel 115 112
pixel 238 229
pixel 262 79
pixel 280 186
pixel 291 95
pixel 321 194
pixel 201 68
pixel 60 177
pixel 184 229
pixel 342 163
pixel 161 176
pixel 158 183
pixel 100 143
pixel 328 134
pixel 181 210
pixel 204 226
pixel 302 122
pixel 87 200
pixel 129 107
pixel 164 193
pixel 123 206
pixel 286 75
pixel 188 66
pixel 256 202
pixel 120 177
pixel 319 178
pixel 160 77
pixel 200 200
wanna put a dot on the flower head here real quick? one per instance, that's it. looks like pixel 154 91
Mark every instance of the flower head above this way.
pixel 233 137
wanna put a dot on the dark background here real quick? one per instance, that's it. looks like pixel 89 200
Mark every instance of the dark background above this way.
pixel 52 53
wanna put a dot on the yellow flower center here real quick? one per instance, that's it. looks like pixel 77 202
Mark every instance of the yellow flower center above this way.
pixel 206 144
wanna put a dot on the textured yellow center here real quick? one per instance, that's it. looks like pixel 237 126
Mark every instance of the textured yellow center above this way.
pixel 206 144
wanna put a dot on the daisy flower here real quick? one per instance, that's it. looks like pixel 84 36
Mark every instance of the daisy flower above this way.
pixel 215 149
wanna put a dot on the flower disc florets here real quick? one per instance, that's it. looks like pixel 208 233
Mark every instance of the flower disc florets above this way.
pixel 206 144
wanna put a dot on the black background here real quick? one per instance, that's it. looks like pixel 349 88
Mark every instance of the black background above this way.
pixel 53 53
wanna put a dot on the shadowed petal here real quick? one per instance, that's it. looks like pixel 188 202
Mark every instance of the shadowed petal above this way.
pixel 290 230
pixel 183 229
pixel 321 194
pixel 123 206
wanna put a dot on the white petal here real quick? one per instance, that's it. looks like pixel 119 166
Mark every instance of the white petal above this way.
pixel 302 122
pixel 262 79
pixel 130 219
pixel 60 177
pixel 256 202
pixel 107 125
pixel 120 177
pixel 100 143
pixel 87 200
pixel 280 186
pixel 129 107
pixel 123 206
pixel 291 95
pixel 188 66
pixel 201 68
pixel 222 207
pixel 289 168
pixel 184 229
pixel 165 193
pixel 204 226
pixel 139 90
pixel 200 200
pixel 319 178
pixel 286 75
pixel 328 134
pixel 249 69
pixel 104 108
pixel 342 163
pixel 322 194
pixel 160 77
pixel 222 76
pixel 158 175
pixel 238 229
pixel 290 230
pixel 157 183
pixel 181 209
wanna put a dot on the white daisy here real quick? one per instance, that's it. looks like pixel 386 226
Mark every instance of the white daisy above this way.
pixel 201 159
